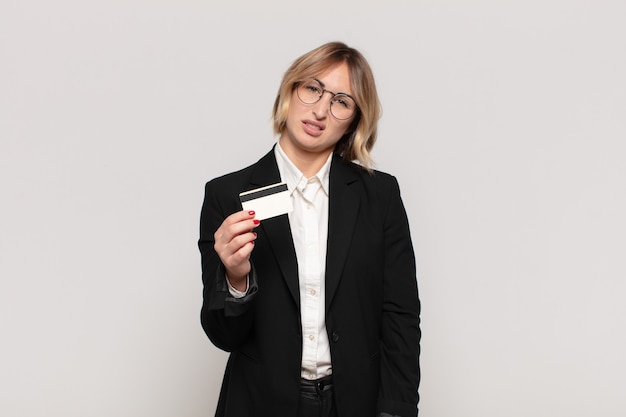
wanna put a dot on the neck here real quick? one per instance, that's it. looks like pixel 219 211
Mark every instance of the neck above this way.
pixel 309 163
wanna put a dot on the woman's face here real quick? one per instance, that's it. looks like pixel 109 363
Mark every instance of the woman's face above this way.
pixel 311 128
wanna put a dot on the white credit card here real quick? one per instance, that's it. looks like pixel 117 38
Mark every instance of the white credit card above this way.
pixel 270 201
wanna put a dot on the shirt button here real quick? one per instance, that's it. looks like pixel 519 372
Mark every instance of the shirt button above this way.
pixel 313 292
pixel 311 337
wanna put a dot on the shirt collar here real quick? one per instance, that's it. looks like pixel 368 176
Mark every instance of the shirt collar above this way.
pixel 291 175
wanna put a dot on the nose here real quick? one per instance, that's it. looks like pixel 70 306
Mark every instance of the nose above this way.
pixel 322 107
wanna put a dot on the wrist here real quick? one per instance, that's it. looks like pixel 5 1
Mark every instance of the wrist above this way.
pixel 240 283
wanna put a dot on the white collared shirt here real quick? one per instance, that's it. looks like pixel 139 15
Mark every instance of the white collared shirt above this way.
pixel 309 229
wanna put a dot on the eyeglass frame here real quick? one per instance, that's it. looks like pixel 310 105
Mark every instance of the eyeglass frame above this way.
pixel 325 90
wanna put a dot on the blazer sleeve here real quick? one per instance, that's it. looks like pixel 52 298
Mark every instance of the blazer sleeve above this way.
pixel 226 320
pixel 400 331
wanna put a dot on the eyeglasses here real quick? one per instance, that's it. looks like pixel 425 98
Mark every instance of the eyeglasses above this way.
pixel 342 105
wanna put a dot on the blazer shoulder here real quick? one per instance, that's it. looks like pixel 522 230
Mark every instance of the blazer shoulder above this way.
pixel 377 179
pixel 232 177
pixel 264 169
pixel 383 178
pixel 374 183
pixel 385 186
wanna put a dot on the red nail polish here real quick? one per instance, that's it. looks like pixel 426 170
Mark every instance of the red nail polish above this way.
pixel 256 221
pixel 251 212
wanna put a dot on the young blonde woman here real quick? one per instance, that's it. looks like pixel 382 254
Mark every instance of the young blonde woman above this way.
pixel 319 307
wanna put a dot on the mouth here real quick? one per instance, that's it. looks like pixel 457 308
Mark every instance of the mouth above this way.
pixel 313 125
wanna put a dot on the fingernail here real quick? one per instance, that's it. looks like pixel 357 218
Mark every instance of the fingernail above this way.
pixel 251 212
pixel 256 221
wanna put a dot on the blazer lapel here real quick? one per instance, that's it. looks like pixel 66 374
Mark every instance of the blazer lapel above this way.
pixel 277 228
pixel 343 206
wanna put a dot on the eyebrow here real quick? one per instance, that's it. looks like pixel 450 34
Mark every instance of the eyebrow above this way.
pixel 339 92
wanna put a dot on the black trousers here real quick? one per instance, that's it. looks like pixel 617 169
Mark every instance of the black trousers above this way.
pixel 316 398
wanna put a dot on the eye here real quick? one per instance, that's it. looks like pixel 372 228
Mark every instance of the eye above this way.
pixel 344 101
pixel 313 88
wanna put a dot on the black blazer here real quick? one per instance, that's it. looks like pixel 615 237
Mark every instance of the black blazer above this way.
pixel 372 305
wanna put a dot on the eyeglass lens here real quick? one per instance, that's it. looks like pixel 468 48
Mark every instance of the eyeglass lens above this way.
pixel 342 106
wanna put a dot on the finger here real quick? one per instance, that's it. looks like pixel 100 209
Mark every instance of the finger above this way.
pixel 239 259
pixel 226 227
pixel 240 241
pixel 239 216
pixel 236 224
pixel 226 250
pixel 245 251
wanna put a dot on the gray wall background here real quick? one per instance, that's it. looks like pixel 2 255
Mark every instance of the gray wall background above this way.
pixel 504 122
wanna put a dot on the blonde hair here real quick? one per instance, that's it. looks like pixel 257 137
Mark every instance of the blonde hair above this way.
pixel 360 137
